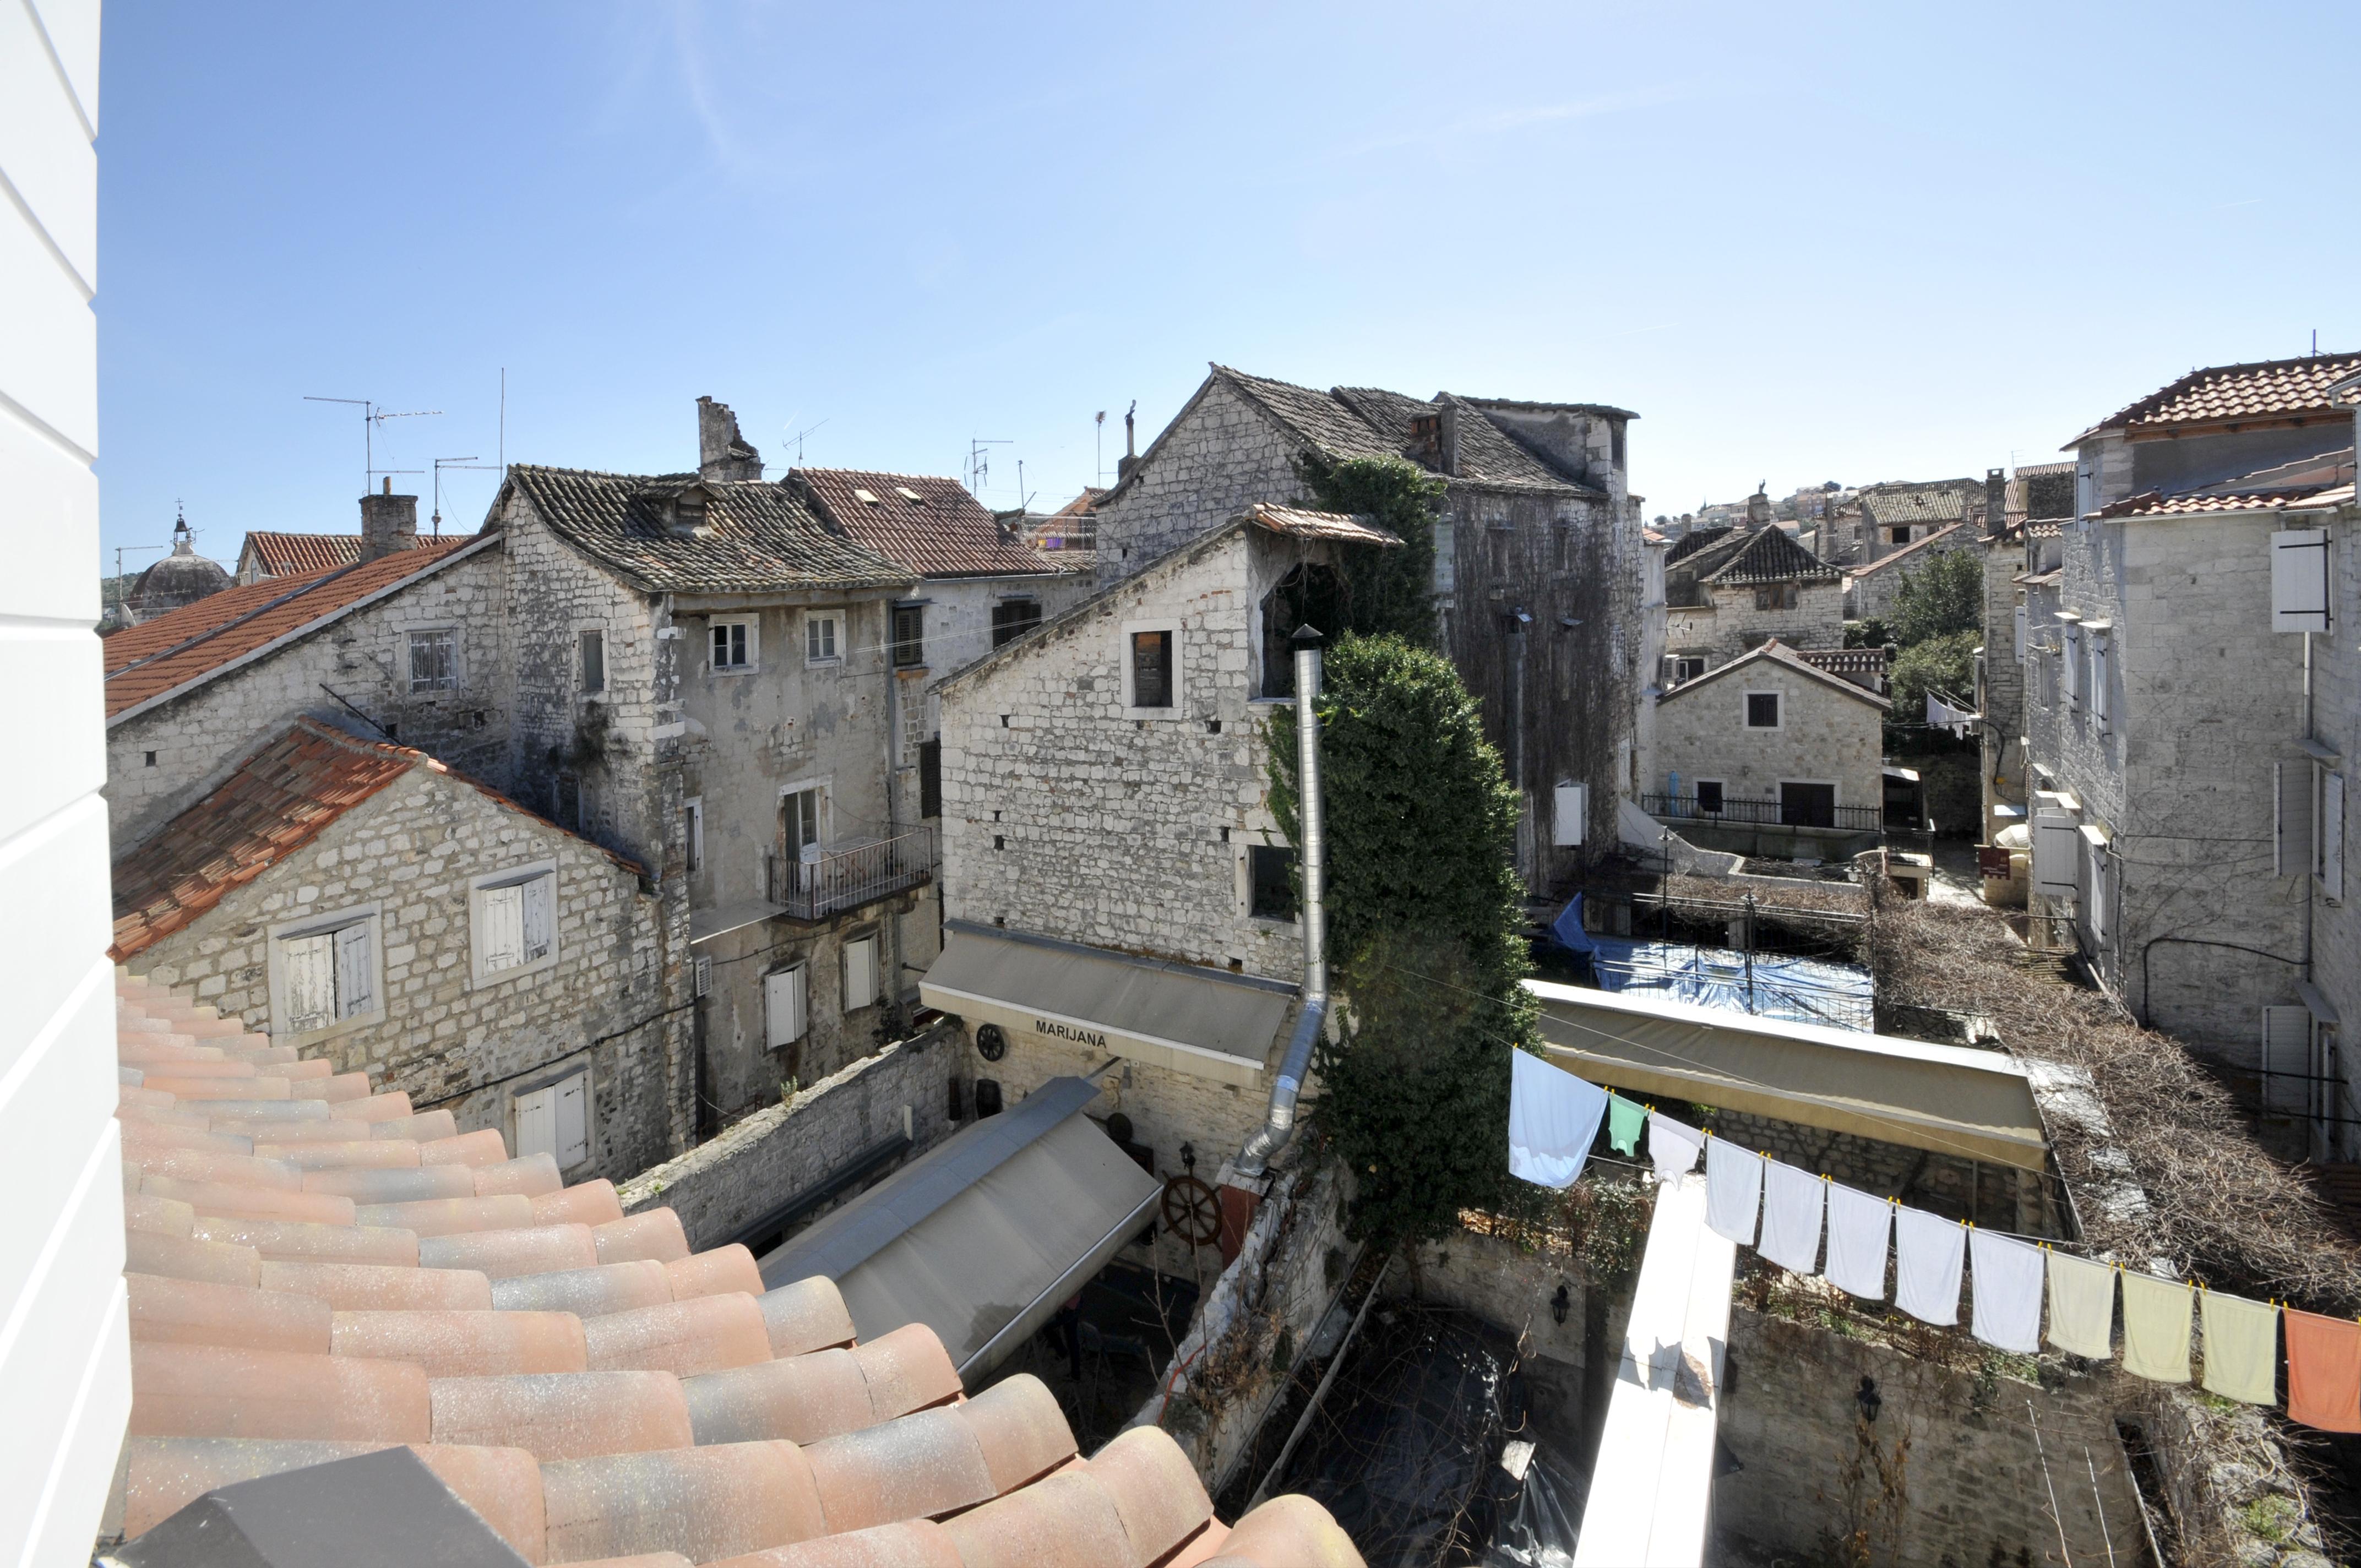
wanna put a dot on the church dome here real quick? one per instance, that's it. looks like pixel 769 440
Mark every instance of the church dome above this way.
pixel 182 577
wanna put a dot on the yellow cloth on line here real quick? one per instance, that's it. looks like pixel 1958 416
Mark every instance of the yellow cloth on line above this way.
pixel 2081 1306
pixel 2242 1348
pixel 2155 1328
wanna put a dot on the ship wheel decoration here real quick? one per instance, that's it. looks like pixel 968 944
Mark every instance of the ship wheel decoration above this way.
pixel 1191 1212
pixel 992 1042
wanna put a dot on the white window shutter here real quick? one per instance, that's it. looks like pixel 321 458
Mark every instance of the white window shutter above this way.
pixel 499 940
pixel 2020 631
pixel 2054 868
pixel 2097 901
pixel 859 973
pixel 2287 1049
pixel 2100 669
pixel 535 916
pixel 573 1122
pixel 356 982
pixel 785 1006
pixel 1573 808
pixel 2300 580
pixel 311 984
pixel 2331 864
pixel 2070 664
pixel 536 1124
pixel 2291 846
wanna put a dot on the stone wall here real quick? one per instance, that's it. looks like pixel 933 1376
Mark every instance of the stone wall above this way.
pixel 363 657
pixel 1825 734
pixel 409 852
pixel 1870 595
pixel 2002 697
pixel 1219 456
pixel 1730 625
pixel 1973 1487
pixel 786 1150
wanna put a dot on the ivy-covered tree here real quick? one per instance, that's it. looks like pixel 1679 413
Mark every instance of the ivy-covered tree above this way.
pixel 1425 920
pixel 1385 591
pixel 1941 599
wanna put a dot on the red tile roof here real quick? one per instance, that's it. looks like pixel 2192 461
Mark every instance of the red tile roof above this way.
pixel 1083 505
pixel 293 554
pixel 2154 503
pixel 2226 394
pixel 1777 653
pixel 1301 524
pixel 712 1422
pixel 188 644
pixel 929 525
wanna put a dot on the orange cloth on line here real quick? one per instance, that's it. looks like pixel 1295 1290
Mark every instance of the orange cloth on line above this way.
pixel 2323 1371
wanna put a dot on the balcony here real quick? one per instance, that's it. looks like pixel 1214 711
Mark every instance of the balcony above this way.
pixel 847 875
pixel 1803 813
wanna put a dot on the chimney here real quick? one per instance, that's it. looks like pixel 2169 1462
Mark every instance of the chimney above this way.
pixel 1758 505
pixel 722 453
pixel 1447 440
pixel 1130 458
pixel 389 523
pixel 1426 439
pixel 1996 503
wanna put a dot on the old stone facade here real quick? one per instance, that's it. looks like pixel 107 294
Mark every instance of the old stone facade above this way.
pixel 1769 727
pixel 1728 592
pixel 1539 557
pixel 1870 590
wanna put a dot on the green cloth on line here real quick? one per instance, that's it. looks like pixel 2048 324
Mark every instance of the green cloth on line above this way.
pixel 1624 1121
pixel 2242 1348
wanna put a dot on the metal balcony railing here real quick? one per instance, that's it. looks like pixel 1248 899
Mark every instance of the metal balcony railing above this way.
pixel 1767 813
pixel 850 873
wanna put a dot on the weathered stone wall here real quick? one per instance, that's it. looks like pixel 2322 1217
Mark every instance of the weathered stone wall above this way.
pixel 1872 593
pixel 1220 456
pixel 363 657
pixel 2001 698
pixel 786 1150
pixel 1974 1486
pixel 1825 736
pixel 1731 625
pixel 2336 718
pixel 410 851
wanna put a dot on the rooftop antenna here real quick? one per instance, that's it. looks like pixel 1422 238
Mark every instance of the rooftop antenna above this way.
pixel 442 463
pixel 979 462
pixel 372 417
pixel 798 439
pixel 504 420
pixel 1098 450
pixel 1024 501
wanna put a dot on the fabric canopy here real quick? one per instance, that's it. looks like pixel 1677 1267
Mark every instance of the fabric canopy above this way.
pixel 1205 1022
pixel 984 1236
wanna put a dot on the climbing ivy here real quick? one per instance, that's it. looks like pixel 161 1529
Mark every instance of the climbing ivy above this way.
pixel 1426 924
pixel 1385 591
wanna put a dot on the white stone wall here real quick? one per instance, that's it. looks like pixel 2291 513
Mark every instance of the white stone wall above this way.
pixel 411 850
pixel 2335 951
pixel 1825 737
pixel 362 657
pixel 1872 594
pixel 1731 626
pixel 1221 455
pixel 65 1378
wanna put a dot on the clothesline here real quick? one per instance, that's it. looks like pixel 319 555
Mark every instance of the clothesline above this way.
pixel 1785 1213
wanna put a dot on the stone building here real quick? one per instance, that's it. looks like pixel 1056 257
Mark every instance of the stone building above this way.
pixel 360 902
pixel 1893 516
pixel 1870 590
pixel 1113 880
pixel 1539 558
pixel 703 682
pixel 180 579
pixel 1728 591
pixel 1770 749
pixel 2186 724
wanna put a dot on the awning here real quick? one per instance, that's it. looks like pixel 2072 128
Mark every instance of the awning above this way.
pixel 1955 1100
pixel 1192 1020
pixel 982 1238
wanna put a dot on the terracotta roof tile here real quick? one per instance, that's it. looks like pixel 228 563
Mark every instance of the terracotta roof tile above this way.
pixel 2267 388
pixel 931 526
pixel 279 554
pixel 1298 523
pixel 2154 503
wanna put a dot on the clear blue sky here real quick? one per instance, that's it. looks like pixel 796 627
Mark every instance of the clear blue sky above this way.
pixel 1851 243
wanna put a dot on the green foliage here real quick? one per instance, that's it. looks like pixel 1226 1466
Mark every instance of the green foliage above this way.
pixel 1425 936
pixel 1872 632
pixel 1941 599
pixel 1385 591
pixel 1947 664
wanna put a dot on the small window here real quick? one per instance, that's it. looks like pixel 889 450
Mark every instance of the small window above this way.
pixel 1775 596
pixel 1902 536
pixel 819 639
pixel 1151 669
pixel 1709 797
pixel 594 662
pixel 1687 669
pixel 329 973
pixel 787 1005
pixel 151 758
pixel 433 660
pixel 859 973
pixel 513 921
pixel 692 825
pixel 555 1121
pixel 1012 619
pixel 1271 868
pixel 733 646
pixel 1762 710
pixel 909 636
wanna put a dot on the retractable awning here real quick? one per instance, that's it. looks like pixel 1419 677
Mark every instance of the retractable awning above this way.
pixel 1200 1021
pixel 1954 1100
pixel 981 1238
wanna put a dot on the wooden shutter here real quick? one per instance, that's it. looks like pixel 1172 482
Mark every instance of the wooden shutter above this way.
pixel 2300 580
pixel 535 917
pixel 356 970
pixel 2291 846
pixel 536 1122
pixel 859 973
pixel 573 1121
pixel 1572 813
pixel 2095 907
pixel 2054 855
pixel 787 1001
pixel 310 964
pixel 2070 664
pixel 2100 670
pixel 2330 863
pixel 500 930
pixel 930 778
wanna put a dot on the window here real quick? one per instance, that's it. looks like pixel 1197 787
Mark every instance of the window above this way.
pixel 930 778
pixel 1012 619
pixel 859 973
pixel 787 1005
pixel 1805 805
pixel 909 642
pixel 1775 596
pixel 1270 883
pixel 513 918
pixel 1762 710
pixel 2300 580
pixel 799 824
pixel 1445 559
pixel 594 662
pixel 736 645
pixel 1902 536
pixel 2294 846
pixel 151 758
pixel 819 639
pixel 433 660
pixel 1708 797
pixel 1687 669
pixel 326 971
pixel 692 825
pixel 554 1121
pixel 1151 669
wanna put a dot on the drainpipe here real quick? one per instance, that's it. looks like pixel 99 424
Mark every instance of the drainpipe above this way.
pixel 1279 1126
pixel 1517 621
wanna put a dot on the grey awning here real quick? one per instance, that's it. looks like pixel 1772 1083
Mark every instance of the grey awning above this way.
pixel 983 1237
pixel 1192 1020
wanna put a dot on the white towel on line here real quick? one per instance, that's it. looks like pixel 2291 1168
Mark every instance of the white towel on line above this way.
pixel 1928 1252
pixel 2081 1306
pixel 1733 1190
pixel 1859 1226
pixel 2007 1304
pixel 1672 1145
pixel 1553 1121
pixel 1793 1199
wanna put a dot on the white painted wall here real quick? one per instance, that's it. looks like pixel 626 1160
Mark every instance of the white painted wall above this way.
pixel 65 1373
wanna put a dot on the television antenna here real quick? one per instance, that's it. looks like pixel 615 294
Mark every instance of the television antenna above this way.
pixel 372 417
pixel 797 437
pixel 442 463
pixel 979 461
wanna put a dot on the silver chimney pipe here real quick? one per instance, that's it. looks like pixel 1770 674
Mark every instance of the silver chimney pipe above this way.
pixel 1279 1126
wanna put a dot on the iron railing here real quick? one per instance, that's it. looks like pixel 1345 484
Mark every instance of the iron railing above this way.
pixel 851 874
pixel 1767 813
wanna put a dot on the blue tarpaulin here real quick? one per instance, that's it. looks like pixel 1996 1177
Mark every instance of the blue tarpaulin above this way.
pixel 1774 985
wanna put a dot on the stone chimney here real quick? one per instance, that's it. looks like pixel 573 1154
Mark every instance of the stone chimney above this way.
pixel 1447 440
pixel 722 453
pixel 1996 503
pixel 1758 505
pixel 389 523
pixel 1130 458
